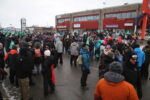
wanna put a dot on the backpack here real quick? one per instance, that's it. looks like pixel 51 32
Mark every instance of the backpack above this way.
pixel 37 52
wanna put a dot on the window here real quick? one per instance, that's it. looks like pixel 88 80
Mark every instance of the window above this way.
pixel 86 18
pixel 121 15
pixel 128 15
pixel 133 15
pixel 63 20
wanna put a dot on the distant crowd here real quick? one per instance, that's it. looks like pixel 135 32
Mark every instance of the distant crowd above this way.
pixel 122 62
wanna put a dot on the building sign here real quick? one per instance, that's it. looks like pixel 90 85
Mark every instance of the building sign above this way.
pixel 146 6
pixel 128 24
pixel 77 26
pixel 23 24
pixel 61 26
pixel 112 26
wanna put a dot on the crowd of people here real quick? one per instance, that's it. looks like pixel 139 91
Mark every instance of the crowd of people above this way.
pixel 122 63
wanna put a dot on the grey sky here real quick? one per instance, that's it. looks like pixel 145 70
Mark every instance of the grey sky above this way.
pixel 42 12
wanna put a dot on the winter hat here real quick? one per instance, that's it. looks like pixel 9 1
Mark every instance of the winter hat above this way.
pixel 111 54
pixel 47 53
pixel 116 67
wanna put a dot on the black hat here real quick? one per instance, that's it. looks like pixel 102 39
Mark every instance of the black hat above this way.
pixel 116 67
pixel 24 45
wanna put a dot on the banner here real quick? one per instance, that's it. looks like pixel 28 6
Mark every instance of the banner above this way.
pixel 146 7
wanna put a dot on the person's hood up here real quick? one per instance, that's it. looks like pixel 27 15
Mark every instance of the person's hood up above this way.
pixel 99 41
pixel 57 39
pixel 83 51
pixel 137 50
pixel 74 43
pixel 113 77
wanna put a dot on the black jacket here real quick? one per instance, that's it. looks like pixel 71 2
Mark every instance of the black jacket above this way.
pixel 54 54
pixel 13 59
pixel 46 70
pixel 132 75
pixel 25 64
pixel 2 63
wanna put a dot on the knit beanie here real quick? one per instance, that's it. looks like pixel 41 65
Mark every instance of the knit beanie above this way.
pixel 47 53
pixel 111 54
pixel 116 67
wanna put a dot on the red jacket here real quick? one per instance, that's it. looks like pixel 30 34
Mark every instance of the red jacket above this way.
pixel 11 52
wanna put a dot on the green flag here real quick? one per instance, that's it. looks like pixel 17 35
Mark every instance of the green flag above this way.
pixel 11 44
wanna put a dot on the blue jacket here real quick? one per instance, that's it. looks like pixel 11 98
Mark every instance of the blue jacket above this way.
pixel 141 56
pixel 85 59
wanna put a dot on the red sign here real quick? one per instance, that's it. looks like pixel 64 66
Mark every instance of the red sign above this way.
pixel 146 6
pixel 114 23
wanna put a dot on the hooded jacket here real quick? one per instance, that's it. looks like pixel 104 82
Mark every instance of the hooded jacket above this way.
pixel 113 87
pixel 85 59
pixel 141 56
pixel 74 49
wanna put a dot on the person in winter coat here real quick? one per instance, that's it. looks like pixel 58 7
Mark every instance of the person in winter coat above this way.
pixel 32 68
pixel 59 48
pixel 37 58
pixel 91 48
pixel 12 58
pixel 66 45
pixel 74 50
pixel 47 72
pixel 141 56
pixel 24 66
pixel 132 73
pixel 106 58
pixel 85 65
pixel 113 86
pixel 54 53
pixel 97 49
pixel 145 67
pixel 2 62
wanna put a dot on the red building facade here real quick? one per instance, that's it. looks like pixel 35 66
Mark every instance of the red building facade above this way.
pixel 121 17
pixel 119 20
